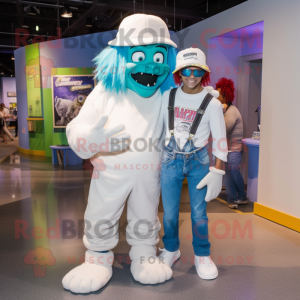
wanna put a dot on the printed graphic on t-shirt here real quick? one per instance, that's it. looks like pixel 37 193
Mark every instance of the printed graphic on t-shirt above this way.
pixel 183 118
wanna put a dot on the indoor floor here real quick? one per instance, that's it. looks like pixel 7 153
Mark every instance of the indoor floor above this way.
pixel 256 258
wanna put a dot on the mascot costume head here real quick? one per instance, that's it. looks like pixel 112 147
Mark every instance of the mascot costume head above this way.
pixel 141 57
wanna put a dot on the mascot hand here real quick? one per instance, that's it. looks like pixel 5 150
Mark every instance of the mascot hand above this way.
pixel 108 139
pixel 213 180
pixel 213 92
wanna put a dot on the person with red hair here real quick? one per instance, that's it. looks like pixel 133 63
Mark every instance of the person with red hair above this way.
pixel 234 181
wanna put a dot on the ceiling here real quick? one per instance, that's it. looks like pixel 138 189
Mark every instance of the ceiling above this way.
pixel 103 14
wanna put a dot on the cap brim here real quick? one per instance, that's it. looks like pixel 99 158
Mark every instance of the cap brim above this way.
pixel 144 41
pixel 205 68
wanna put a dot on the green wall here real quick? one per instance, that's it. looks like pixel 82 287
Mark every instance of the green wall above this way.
pixel 34 97
pixel 33 81
pixel 37 138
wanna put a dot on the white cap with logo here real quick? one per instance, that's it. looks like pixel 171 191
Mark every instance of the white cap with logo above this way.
pixel 142 29
pixel 191 57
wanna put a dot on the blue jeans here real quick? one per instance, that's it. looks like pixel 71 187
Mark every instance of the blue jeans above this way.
pixel 175 167
pixel 234 181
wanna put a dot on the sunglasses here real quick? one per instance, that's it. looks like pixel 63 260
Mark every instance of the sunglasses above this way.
pixel 188 72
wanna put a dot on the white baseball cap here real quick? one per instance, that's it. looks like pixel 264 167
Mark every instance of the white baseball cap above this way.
pixel 142 29
pixel 191 57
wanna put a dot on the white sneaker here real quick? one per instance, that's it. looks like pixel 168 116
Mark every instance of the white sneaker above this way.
pixel 169 257
pixel 205 267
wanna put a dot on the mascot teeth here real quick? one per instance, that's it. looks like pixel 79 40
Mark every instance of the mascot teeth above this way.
pixel 145 79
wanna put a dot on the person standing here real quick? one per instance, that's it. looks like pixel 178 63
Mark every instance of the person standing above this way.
pixel 234 181
pixel 2 121
pixel 15 113
pixel 4 115
pixel 190 115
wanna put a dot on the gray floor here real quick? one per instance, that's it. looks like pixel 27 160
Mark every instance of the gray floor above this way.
pixel 261 262
pixel 10 147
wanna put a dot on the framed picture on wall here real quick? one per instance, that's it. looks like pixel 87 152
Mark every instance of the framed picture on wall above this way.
pixel 68 97
pixel 11 94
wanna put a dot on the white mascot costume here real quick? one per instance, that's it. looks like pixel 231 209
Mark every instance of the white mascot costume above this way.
pixel 120 127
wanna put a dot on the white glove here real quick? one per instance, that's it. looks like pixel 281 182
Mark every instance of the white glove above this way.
pixel 213 180
pixel 108 139
pixel 212 91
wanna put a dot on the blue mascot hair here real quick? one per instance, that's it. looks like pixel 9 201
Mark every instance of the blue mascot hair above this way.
pixel 111 64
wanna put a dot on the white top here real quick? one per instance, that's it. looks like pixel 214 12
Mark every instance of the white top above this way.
pixel 4 112
pixel 186 106
pixel 143 121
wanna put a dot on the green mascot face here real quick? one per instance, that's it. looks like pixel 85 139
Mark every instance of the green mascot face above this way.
pixel 147 68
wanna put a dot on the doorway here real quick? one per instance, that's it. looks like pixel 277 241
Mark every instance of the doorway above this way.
pixel 249 98
pixel 249 91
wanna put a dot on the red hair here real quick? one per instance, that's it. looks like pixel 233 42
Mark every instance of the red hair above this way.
pixel 227 88
pixel 204 82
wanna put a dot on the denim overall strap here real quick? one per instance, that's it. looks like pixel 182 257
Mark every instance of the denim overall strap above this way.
pixel 171 109
pixel 199 115
pixel 189 146
pixel 173 145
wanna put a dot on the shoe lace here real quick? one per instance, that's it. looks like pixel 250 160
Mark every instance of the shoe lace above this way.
pixel 204 260
pixel 166 253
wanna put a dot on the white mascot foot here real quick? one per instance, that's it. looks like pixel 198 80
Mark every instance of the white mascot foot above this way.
pixel 92 275
pixel 146 267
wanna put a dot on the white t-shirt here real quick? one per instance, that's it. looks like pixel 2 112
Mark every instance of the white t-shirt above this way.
pixel 186 106
pixel 4 112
